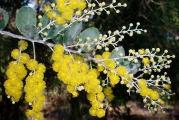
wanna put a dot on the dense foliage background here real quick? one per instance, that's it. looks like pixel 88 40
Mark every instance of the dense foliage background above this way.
pixel 160 18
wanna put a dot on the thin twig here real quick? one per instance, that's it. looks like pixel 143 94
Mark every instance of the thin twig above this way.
pixel 5 33
pixel 51 22
pixel 34 50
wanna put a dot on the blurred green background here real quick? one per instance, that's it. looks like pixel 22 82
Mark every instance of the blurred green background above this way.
pixel 159 17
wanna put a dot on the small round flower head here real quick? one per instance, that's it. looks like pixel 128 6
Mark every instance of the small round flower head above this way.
pixel 122 71
pixel 114 79
pixel 108 93
pixel 146 61
pixel 41 68
pixel 13 88
pixel 32 64
pixel 24 58
pixel 15 54
pixel 22 45
pixel 101 113
pixel 142 83
pixel 141 51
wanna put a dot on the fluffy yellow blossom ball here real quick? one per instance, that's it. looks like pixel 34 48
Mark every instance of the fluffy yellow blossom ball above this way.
pixel 13 88
pixel 144 91
pixel 16 70
pixel 142 83
pixel 122 71
pixel 24 58
pixel 141 51
pixel 109 93
pixel 114 79
pixel 59 48
pixel 15 54
pixel 58 52
pixel 154 95
pixel 20 71
pixel 22 45
pixel 100 96
pixel 101 113
pixel 100 68
pixel 106 55
pixel 92 111
pixel 32 64
pixel 104 61
pixel 146 61
pixel 110 64
pixel 127 79
pixel 41 68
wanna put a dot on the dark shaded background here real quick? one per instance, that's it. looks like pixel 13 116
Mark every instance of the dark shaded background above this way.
pixel 160 18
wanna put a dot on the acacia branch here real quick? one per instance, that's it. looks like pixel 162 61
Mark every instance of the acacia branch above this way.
pixel 50 45
pixel 9 34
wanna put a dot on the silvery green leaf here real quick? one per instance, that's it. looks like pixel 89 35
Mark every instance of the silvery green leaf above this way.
pixel 26 21
pixel 117 52
pixel 87 37
pixel 4 18
pixel 72 32
pixel 92 33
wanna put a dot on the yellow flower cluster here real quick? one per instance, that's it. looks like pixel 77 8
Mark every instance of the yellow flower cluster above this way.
pixel 77 75
pixel 123 73
pixel 114 73
pixel 14 85
pixel 65 10
pixel 141 51
pixel 147 92
pixel 34 89
pixel 16 72
pixel 107 62
pixel 146 61
pixel 109 93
